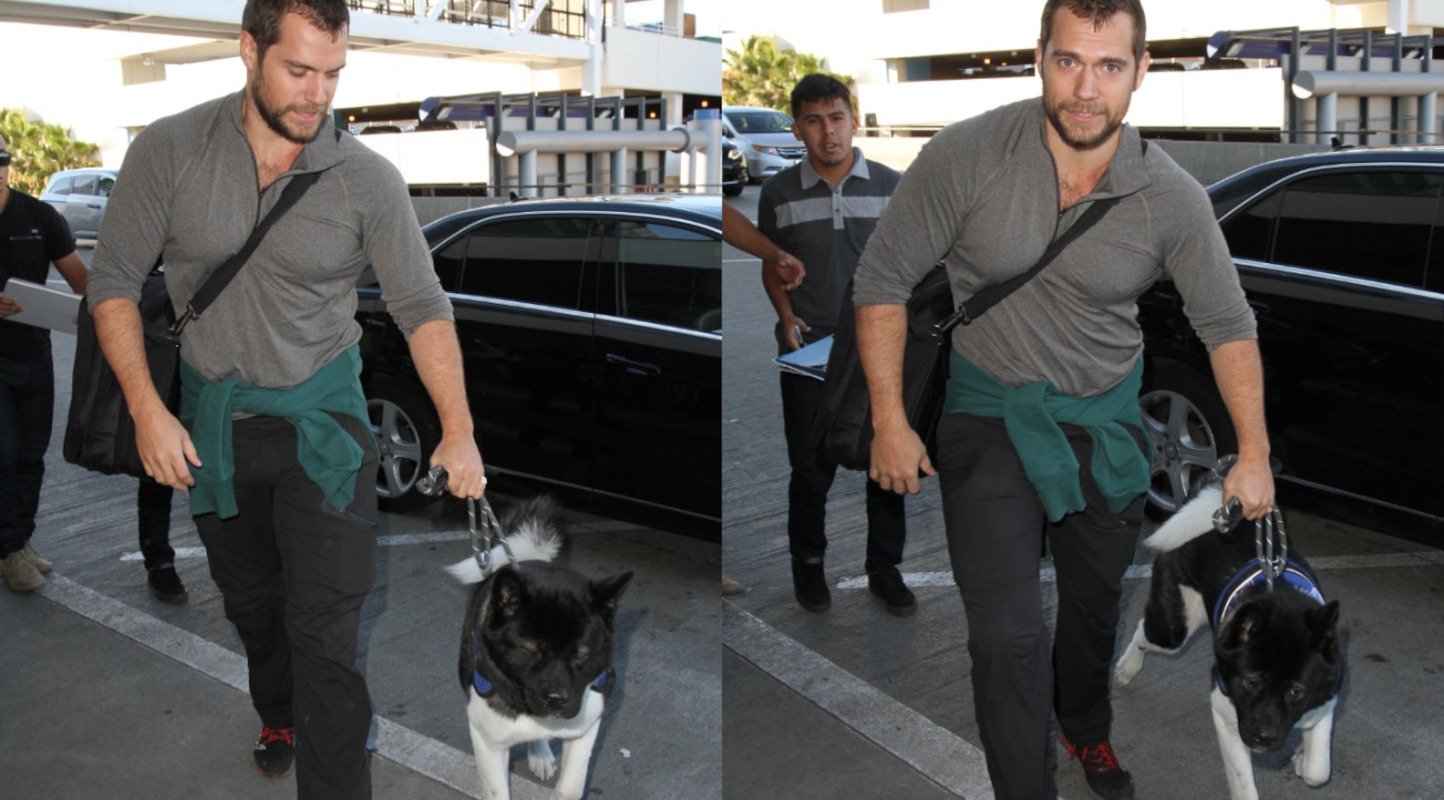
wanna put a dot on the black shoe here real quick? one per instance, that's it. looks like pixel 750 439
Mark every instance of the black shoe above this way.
pixel 888 585
pixel 275 750
pixel 1105 776
pixel 165 584
pixel 810 585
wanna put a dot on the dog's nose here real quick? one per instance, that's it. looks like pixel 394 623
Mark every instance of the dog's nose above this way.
pixel 1265 739
pixel 556 699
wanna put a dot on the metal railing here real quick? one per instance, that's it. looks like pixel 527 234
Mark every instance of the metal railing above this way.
pixel 553 21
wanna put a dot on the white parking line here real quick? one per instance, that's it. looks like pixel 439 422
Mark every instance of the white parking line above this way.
pixel 1423 558
pixel 414 751
pixel 381 541
pixel 932 750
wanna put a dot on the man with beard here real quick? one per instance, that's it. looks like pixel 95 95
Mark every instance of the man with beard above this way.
pixel 275 448
pixel 1049 378
pixel 822 211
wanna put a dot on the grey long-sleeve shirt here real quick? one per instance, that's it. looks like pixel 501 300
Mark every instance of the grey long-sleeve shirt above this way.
pixel 982 196
pixel 188 191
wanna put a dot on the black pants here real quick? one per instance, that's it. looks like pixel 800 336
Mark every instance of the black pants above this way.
pixel 294 573
pixel 152 507
pixel 812 475
pixel 995 524
pixel 27 398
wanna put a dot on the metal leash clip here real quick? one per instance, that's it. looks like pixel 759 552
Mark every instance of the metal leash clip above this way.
pixel 1271 544
pixel 483 538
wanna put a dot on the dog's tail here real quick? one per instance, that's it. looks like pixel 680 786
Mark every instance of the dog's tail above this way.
pixel 534 533
pixel 1187 523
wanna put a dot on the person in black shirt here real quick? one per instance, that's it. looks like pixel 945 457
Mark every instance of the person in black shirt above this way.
pixel 32 237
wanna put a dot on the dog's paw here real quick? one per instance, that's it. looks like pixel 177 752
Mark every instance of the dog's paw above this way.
pixel 540 759
pixel 1314 777
pixel 1128 666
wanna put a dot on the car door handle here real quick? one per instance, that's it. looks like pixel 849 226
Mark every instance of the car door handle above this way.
pixel 634 367
pixel 92 205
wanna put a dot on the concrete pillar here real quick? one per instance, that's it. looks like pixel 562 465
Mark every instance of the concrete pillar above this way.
pixel 619 170
pixel 1327 117
pixel 1428 114
pixel 672 17
pixel 526 174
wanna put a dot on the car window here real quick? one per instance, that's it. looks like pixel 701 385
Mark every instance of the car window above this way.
pixel 760 121
pixel 1250 232
pixel 84 184
pixel 106 184
pixel 61 185
pixel 1373 224
pixel 670 275
pixel 532 259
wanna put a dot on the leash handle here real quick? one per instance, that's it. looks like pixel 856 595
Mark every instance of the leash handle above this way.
pixel 481 521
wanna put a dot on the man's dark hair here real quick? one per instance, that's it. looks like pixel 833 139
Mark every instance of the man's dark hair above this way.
pixel 1099 11
pixel 262 18
pixel 819 88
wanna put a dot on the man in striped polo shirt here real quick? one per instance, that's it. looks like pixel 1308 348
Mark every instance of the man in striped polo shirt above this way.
pixel 822 211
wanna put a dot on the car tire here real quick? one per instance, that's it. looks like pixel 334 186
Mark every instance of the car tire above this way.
pixel 736 188
pixel 407 431
pixel 1188 430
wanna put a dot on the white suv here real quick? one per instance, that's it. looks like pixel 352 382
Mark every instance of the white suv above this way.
pixel 765 137
pixel 80 195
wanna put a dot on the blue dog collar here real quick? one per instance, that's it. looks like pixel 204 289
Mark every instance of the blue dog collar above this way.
pixel 1249 579
pixel 484 687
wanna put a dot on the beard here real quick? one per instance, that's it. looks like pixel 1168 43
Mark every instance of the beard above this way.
pixel 274 116
pixel 1077 137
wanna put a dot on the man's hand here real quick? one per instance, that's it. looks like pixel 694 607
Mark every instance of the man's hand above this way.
pixel 165 447
pixel 789 270
pixel 898 455
pixel 792 329
pixel 462 460
pixel 8 306
pixel 1252 482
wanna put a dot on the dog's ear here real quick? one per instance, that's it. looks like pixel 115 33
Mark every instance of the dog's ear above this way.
pixel 508 592
pixel 1247 623
pixel 608 591
pixel 1323 624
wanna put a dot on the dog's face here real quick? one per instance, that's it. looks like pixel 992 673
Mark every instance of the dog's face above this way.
pixel 549 630
pixel 1278 655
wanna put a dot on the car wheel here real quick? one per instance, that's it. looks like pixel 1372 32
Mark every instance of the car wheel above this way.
pixel 407 431
pixel 735 189
pixel 1188 430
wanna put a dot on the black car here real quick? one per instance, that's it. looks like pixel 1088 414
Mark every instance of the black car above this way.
pixel 1341 256
pixel 734 169
pixel 591 332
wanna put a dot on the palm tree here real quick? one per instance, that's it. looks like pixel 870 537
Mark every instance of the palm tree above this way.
pixel 761 74
pixel 41 149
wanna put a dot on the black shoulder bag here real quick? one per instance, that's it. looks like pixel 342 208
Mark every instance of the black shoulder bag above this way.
pixel 842 427
pixel 99 433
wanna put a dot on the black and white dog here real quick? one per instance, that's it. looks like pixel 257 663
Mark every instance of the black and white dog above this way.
pixel 536 654
pixel 1276 651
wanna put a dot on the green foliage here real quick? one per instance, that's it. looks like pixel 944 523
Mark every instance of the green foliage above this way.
pixel 41 149
pixel 760 74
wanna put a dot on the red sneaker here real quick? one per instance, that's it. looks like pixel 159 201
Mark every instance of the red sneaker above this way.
pixel 275 750
pixel 1105 776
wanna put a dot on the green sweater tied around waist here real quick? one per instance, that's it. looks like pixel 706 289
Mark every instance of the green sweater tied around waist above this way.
pixel 327 453
pixel 1032 413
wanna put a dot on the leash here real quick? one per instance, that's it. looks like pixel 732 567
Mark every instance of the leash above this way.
pixel 1271 540
pixel 483 537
